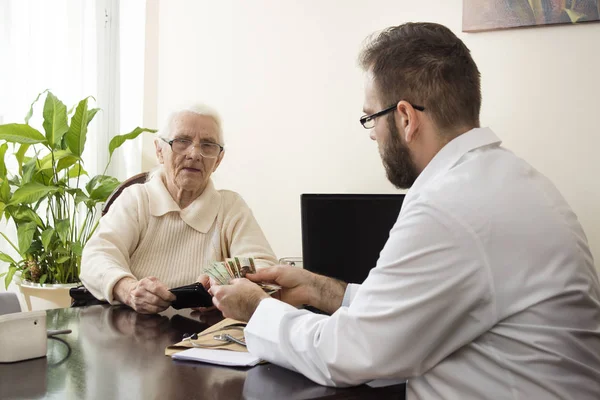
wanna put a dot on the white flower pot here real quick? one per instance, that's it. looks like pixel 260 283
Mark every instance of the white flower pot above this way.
pixel 46 296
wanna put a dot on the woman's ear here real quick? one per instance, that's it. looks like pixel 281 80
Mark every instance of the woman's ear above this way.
pixel 219 159
pixel 159 154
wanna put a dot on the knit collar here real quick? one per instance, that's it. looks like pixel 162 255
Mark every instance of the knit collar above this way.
pixel 200 214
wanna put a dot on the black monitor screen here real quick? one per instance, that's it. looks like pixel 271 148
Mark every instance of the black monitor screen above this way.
pixel 343 234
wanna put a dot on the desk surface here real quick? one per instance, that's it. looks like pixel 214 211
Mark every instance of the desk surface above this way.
pixel 116 353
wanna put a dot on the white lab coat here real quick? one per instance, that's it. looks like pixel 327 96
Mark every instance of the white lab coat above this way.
pixel 486 288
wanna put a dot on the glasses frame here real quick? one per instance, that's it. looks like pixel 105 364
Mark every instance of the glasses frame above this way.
pixel 365 119
pixel 170 143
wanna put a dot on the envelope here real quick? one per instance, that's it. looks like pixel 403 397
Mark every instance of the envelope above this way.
pixel 227 326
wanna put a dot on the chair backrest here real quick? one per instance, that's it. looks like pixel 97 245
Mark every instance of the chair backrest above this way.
pixel 139 178
pixel 9 303
pixel 80 295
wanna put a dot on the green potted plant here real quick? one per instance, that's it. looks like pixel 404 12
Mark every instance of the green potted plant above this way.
pixel 50 198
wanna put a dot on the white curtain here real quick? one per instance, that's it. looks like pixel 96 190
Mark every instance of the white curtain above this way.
pixel 76 48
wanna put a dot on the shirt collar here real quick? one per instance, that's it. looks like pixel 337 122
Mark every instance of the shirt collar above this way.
pixel 199 215
pixel 451 153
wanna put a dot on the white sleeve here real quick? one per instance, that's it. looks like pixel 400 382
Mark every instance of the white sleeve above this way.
pixel 349 294
pixel 106 256
pixel 429 294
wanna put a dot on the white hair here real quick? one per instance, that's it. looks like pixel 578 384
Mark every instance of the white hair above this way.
pixel 199 109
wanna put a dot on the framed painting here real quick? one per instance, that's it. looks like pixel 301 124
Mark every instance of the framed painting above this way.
pixel 485 15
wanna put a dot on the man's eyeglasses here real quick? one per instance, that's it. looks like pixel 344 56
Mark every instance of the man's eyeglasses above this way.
pixel 368 121
pixel 182 146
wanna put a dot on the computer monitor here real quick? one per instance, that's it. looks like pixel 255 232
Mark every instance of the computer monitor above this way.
pixel 343 234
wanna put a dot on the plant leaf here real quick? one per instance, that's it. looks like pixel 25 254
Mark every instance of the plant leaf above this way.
pixel 77 133
pixel 47 237
pixel 103 187
pixel 30 112
pixel 92 183
pixel 62 228
pixel 9 276
pixel 55 119
pixel 25 234
pixel 6 258
pixel 77 249
pixel 91 114
pixel 59 155
pixel 81 197
pixel 76 192
pixel 5 191
pixel 66 162
pixel 62 259
pixel 118 140
pixel 76 171
pixel 3 149
pixel 21 133
pixel 20 156
pixel 29 168
pixel 31 192
pixel 2 207
pixel 23 214
pixel 43 279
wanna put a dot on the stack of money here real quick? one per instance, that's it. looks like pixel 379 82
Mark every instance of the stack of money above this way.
pixel 237 267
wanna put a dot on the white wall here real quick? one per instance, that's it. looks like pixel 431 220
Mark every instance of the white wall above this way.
pixel 285 78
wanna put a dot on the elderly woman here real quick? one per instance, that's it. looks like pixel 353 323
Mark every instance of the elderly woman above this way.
pixel 164 233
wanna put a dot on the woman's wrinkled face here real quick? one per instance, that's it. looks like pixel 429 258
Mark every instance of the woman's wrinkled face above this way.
pixel 189 171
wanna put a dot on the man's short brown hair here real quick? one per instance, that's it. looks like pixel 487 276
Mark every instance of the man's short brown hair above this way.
pixel 427 65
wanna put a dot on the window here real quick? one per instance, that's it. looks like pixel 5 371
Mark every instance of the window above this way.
pixel 76 48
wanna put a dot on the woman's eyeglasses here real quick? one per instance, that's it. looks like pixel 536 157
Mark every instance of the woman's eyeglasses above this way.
pixel 182 146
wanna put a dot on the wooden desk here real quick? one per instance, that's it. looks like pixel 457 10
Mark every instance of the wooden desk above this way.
pixel 116 353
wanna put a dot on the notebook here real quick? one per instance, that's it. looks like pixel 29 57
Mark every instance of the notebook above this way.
pixel 219 357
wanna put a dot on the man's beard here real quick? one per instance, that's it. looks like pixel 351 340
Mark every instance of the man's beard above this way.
pixel 400 169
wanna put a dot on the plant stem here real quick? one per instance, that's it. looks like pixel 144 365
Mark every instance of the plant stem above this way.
pixel 9 242
pixel 94 228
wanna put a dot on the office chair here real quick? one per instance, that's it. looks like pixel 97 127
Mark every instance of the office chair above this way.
pixel 139 178
pixel 80 296
pixel 9 303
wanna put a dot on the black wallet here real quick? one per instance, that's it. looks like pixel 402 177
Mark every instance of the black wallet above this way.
pixel 190 296
pixel 81 297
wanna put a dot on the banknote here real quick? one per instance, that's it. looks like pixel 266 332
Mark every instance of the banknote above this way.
pixel 237 267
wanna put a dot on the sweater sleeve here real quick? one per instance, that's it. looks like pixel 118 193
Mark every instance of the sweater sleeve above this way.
pixel 106 256
pixel 241 235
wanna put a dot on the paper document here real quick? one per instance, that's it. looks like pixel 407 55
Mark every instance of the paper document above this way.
pixel 220 357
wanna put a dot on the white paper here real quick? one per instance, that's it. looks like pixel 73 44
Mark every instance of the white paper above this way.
pixel 220 357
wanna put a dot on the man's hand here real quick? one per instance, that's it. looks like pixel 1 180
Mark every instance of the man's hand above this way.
pixel 146 296
pixel 299 286
pixel 239 299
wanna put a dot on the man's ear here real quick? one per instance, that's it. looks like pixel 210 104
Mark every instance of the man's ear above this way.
pixel 159 154
pixel 409 120
pixel 219 159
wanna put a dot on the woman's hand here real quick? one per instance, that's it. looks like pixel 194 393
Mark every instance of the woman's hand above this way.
pixel 146 296
pixel 204 280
